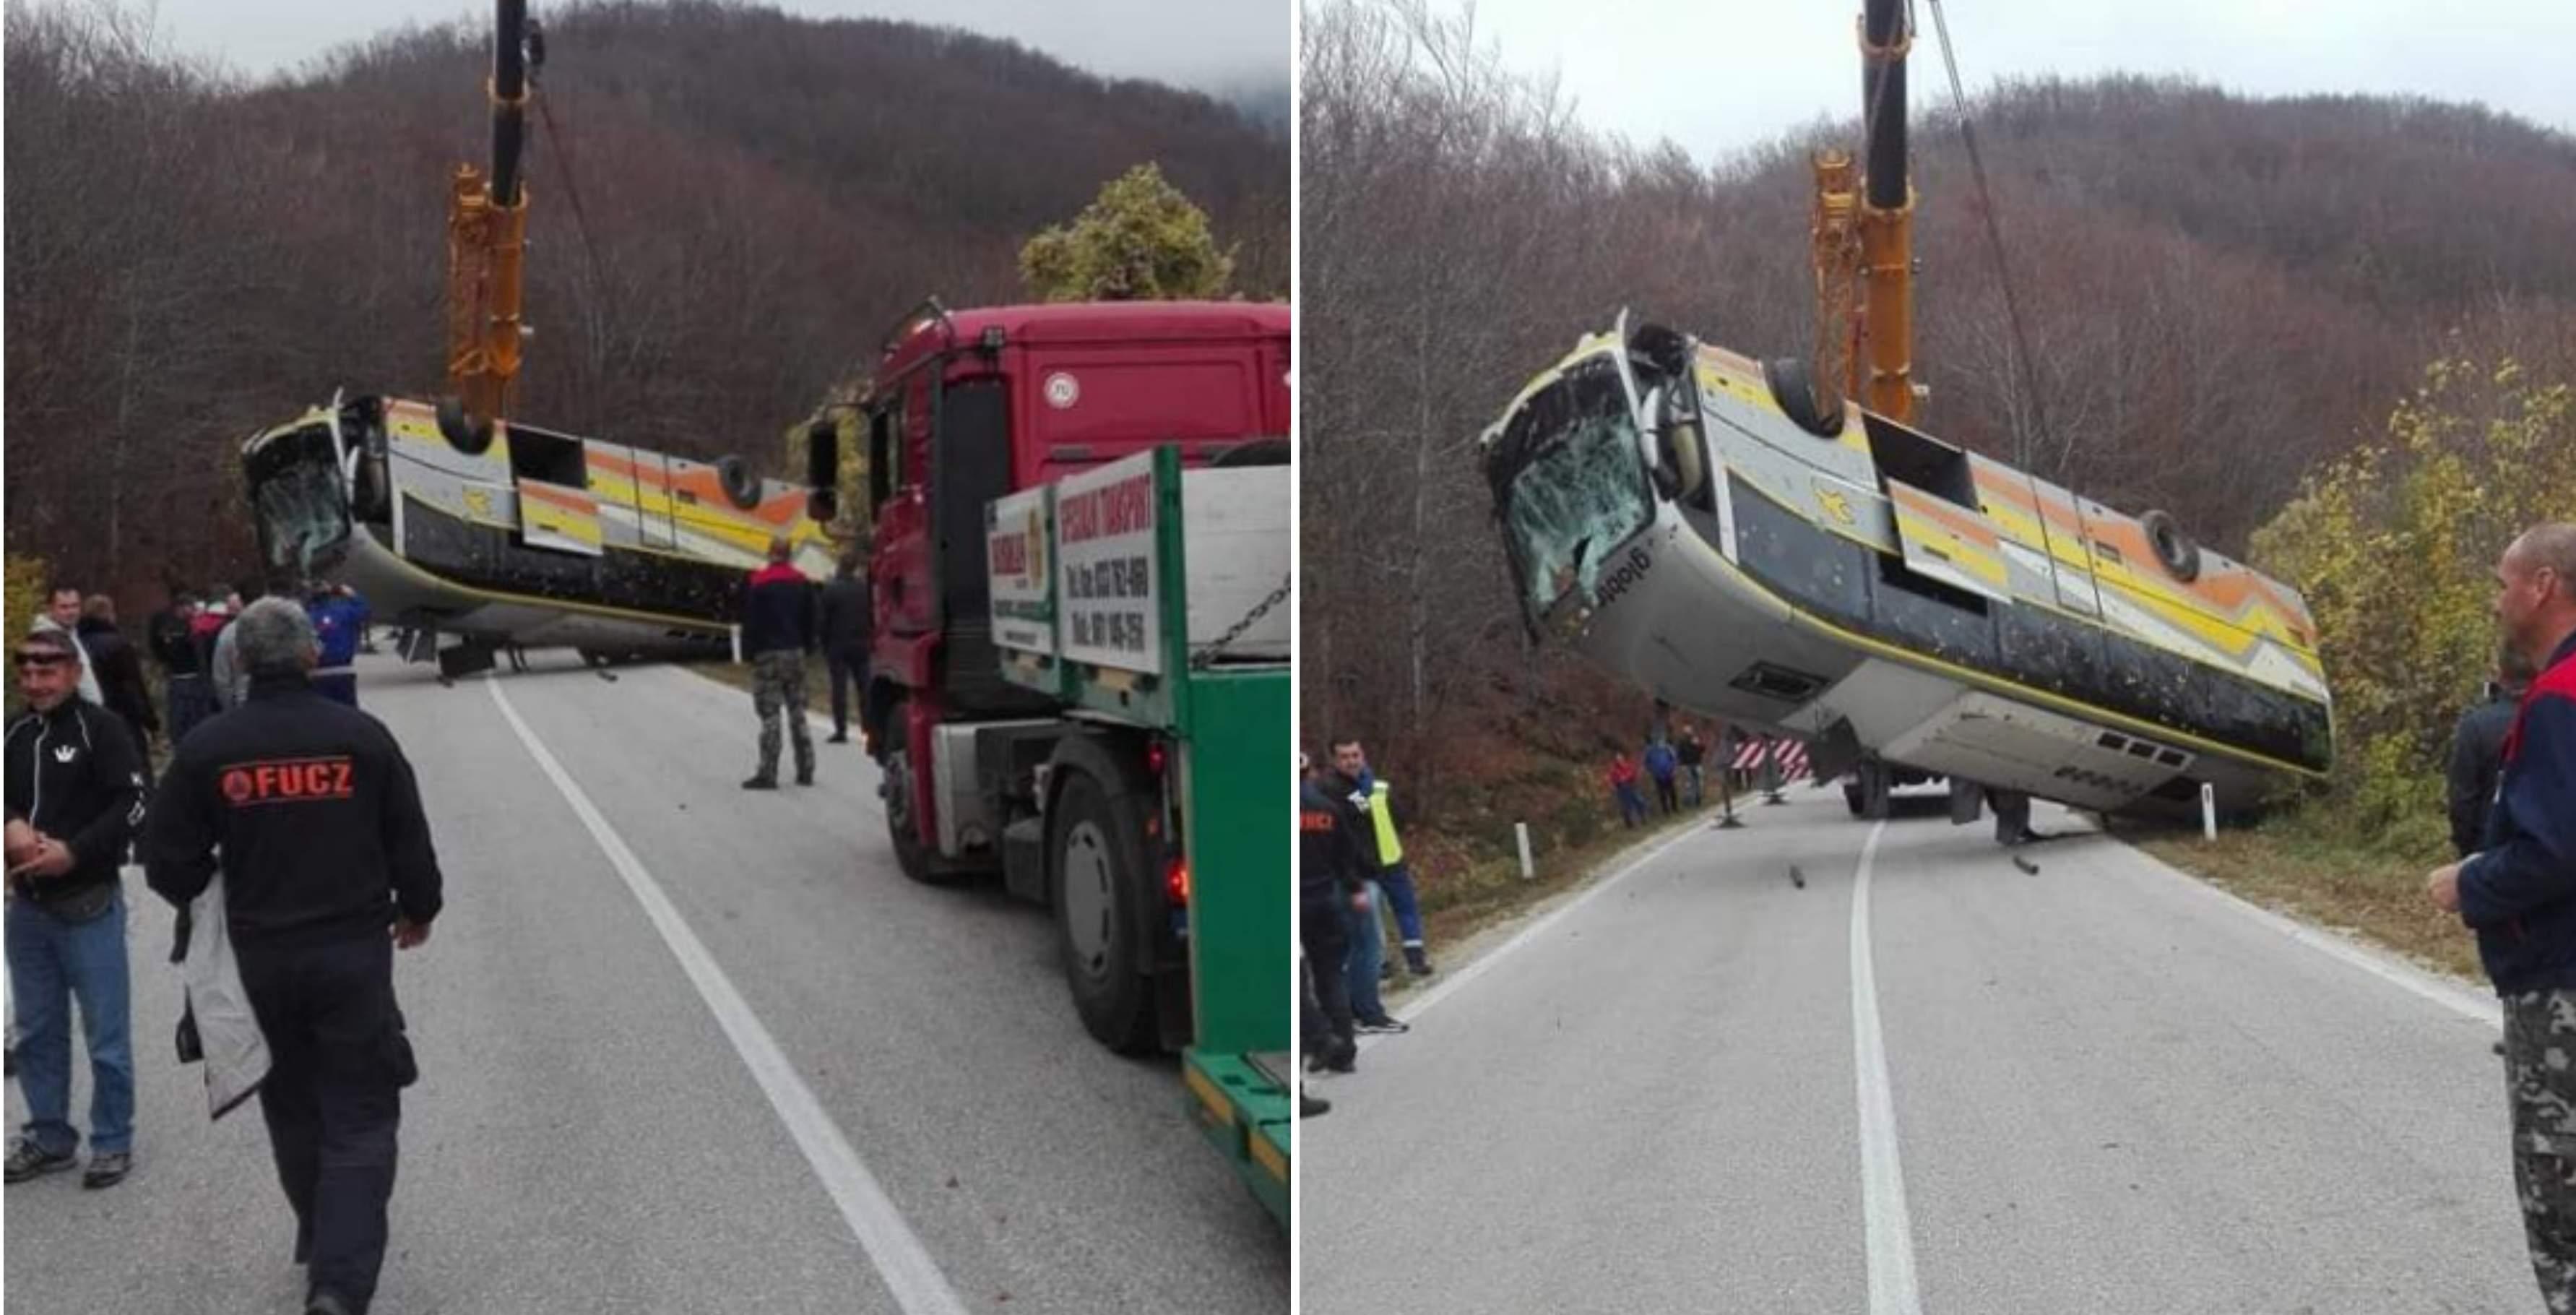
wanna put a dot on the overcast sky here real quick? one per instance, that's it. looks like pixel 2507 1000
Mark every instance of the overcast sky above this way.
pixel 1718 75
pixel 1202 43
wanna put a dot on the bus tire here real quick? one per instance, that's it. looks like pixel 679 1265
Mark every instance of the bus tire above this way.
pixel 1793 386
pixel 2174 549
pixel 741 483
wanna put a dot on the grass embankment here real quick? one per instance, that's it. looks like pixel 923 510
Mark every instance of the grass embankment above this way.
pixel 2304 866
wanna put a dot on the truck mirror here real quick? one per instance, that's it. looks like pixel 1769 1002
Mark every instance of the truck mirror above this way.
pixel 823 456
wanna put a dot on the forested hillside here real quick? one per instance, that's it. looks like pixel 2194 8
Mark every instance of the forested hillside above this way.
pixel 730 207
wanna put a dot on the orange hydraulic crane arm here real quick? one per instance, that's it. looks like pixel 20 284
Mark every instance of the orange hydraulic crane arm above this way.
pixel 487 227
pixel 1887 213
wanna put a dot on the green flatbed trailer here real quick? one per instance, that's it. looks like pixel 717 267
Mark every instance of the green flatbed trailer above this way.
pixel 1099 603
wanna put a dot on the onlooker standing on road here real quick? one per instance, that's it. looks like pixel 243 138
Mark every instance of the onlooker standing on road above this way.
pixel 1328 879
pixel 1661 763
pixel 1373 802
pixel 2477 750
pixel 2519 893
pixel 62 615
pixel 120 674
pixel 328 868
pixel 183 665
pixel 846 624
pixel 1623 788
pixel 75 797
pixel 777 632
pixel 337 624
pixel 223 667
pixel 1694 752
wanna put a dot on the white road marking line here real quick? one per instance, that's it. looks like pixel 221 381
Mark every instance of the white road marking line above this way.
pixel 910 1274
pixel 1446 986
pixel 1888 1228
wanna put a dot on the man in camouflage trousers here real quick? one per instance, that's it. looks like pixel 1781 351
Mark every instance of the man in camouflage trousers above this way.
pixel 2519 893
pixel 777 632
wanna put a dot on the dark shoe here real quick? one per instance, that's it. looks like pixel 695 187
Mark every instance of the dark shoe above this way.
pixel 1417 960
pixel 107 1169
pixel 838 737
pixel 761 783
pixel 28 1160
pixel 805 777
pixel 328 1303
pixel 1344 1058
pixel 1310 1106
pixel 1384 1027
pixel 1386 970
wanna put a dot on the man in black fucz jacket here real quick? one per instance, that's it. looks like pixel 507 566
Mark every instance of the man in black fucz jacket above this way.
pixel 328 867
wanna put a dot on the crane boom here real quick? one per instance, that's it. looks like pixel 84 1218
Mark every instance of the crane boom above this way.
pixel 487 229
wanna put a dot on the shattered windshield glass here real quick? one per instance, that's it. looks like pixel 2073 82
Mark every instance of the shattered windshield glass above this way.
pixel 1582 490
pixel 303 516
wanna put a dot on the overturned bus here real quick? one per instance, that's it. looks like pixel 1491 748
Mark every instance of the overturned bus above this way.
pixel 507 535
pixel 1699 524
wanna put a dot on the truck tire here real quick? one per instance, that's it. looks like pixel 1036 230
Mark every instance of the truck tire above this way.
pixel 1096 851
pixel 910 854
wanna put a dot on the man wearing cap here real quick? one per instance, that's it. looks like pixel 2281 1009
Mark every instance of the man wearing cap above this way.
pixel 75 796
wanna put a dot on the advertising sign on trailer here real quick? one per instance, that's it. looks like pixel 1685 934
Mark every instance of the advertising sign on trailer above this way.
pixel 1106 585
pixel 1015 559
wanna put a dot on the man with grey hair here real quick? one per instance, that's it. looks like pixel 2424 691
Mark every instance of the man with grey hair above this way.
pixel 2519 893
pixel 310 811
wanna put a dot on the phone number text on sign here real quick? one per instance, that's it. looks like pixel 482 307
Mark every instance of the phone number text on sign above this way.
pixel 1106 579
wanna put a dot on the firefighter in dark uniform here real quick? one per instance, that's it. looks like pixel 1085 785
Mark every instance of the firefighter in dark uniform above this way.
pixel 1328 876
pixel 327 868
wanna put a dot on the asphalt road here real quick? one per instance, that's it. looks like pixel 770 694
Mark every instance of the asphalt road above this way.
pixel 715 1054
pixel 2098 1088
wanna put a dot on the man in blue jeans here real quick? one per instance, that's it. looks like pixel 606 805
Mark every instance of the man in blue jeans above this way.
pixel 1373 809
pixel 75 797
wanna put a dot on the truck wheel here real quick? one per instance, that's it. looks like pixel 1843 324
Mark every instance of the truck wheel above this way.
pixel 901 828
pixel 1098 860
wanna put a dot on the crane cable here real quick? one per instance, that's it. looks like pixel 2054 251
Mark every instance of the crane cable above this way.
pixel 2028 368
pixel 572 193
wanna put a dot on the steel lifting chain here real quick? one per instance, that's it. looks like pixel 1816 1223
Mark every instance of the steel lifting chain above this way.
pixel 1201 659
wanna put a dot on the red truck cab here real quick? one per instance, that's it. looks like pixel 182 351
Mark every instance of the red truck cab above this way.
pixel 968 406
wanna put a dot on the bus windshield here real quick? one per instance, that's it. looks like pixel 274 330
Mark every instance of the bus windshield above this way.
pixel 1572 483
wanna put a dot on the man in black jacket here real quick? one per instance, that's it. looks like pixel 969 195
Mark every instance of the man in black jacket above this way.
pixel 75 797
pixel 845 639
pixel 777 633
pixel 120 673
pixel 1329 876
pixel 2477 751
pixel 328 868
pixel 183 664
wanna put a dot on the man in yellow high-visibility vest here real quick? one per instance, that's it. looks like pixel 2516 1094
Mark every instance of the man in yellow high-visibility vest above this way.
pixel 1374 801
